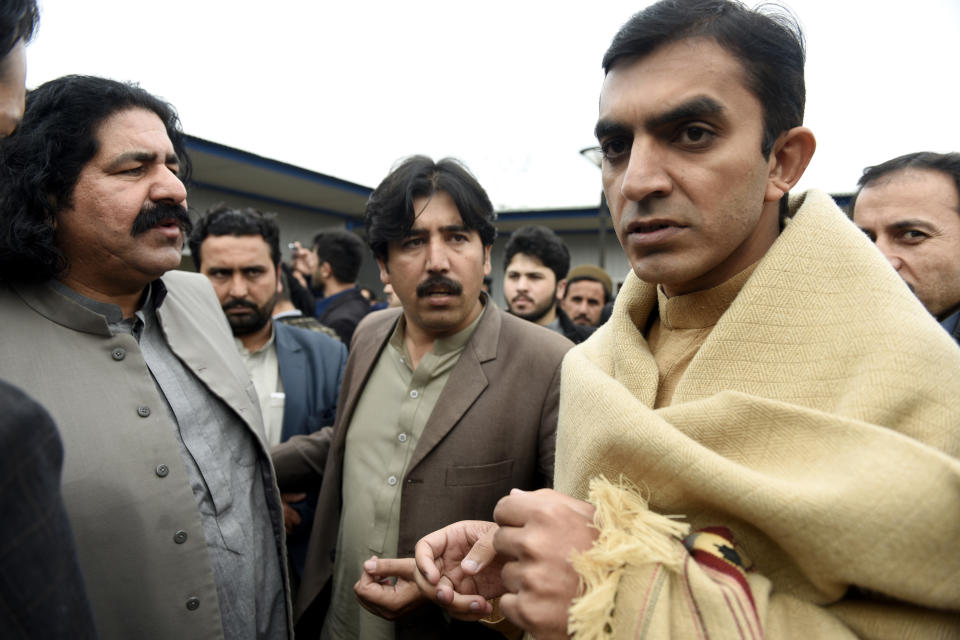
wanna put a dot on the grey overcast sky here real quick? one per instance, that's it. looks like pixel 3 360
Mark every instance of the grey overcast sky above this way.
pixel 509 87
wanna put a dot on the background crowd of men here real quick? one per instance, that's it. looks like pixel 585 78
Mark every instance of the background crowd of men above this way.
pixel 757 434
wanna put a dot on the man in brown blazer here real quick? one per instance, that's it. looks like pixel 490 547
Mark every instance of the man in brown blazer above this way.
pixel 446 404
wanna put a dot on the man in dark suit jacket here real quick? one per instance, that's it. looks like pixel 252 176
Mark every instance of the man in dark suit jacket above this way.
pixel 296 372
pixel 447 403
pixel 332 267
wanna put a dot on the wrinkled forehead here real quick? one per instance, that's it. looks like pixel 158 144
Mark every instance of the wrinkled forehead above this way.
pixel 134 129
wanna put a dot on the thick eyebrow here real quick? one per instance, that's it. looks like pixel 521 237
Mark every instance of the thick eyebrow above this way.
pixel 900 225
pixel 452 228
pixel 146 157
pixel 697 108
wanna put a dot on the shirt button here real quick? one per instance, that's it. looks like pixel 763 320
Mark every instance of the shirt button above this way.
pixel 193 604
pixel 414 393
pixel 119 354
pixel 392 480
pixel 180 537
pixel 402 437
pixel 162 470
pixel 143 411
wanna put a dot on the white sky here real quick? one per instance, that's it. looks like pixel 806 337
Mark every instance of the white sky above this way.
pixel 510 87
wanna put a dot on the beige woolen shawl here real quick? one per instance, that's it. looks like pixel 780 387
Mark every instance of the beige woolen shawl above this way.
pixel 817 422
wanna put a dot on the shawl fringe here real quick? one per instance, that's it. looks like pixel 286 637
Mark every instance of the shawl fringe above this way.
pixel 630 534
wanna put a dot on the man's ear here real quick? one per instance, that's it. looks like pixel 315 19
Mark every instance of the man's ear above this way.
pixel 279 279
pixel 324 270
pixel 562 289
pixel 789 158
pixel 486 260
pixel 384 271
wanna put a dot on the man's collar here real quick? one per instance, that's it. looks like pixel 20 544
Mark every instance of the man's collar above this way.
pixel 266 345
pixel 153 294
pixel 440 345
pixel 952 323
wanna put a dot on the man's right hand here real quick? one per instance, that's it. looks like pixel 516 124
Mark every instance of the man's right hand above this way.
pixel 305 261
pixel 459 570
pixel 290 516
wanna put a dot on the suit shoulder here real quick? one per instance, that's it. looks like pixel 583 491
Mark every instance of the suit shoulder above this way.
pixel 308 338
pixel 378 320
pixel 181 281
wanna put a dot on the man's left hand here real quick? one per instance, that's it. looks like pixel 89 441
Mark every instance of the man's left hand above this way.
pixel 387 587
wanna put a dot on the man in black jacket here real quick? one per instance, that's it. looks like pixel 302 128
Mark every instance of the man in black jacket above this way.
pixel 332 267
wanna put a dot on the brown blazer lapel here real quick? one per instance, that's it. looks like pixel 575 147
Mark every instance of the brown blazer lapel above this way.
pixel 467 381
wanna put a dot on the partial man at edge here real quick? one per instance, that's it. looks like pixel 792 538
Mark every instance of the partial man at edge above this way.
pixel 42 594
pixel 910 207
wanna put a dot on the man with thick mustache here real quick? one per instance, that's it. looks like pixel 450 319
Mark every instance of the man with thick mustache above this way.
pixel 166 479
pixel 447 402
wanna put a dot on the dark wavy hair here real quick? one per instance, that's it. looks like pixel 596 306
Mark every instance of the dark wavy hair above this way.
pixel 18 21
pixel 541 243
pixel 221 220
pixel 390 215
pixel 41 163
pixel 768 42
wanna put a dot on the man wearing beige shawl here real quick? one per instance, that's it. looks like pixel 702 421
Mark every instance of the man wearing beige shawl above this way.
pixel 760 441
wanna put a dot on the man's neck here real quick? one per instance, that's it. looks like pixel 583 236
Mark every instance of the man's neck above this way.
pixel 255 341
pixel 419 340
pixel 332 287
pixel 128 297
pixel 548 317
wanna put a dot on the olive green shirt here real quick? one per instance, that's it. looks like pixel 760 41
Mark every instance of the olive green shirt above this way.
pixel 383 433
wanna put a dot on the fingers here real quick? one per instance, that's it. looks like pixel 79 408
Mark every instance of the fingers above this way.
pixel 290 498
pixel 404 568
pixel 429 548
pixel 379 594
pixel 481 553
pixel 516 509
pixel 290 518
pixel 443 549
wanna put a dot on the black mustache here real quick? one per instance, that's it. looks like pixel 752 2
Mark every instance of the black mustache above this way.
pixel 151 216
pixel 423 289
pixel 239 302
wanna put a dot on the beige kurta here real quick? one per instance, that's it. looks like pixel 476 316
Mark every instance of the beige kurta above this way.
pixel 815 422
